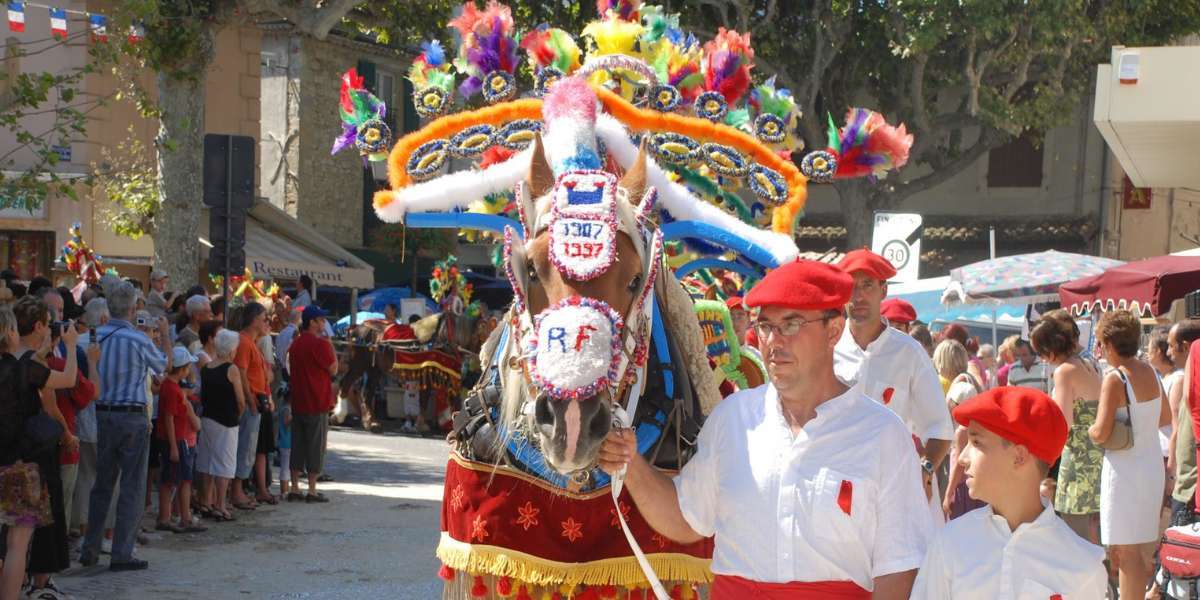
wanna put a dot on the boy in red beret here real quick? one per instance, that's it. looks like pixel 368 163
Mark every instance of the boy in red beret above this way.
pixel 810 489
pixel 892 368
pixel 1016 547
pixel 898 312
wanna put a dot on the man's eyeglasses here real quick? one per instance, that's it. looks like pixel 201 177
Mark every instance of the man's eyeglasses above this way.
pixel 788 328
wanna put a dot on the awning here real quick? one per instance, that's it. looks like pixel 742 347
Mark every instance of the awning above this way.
pixel 1146 287
pixel 282 248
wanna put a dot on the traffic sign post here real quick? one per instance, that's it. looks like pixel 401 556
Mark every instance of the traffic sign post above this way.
pixel 897 237
pixel 229 193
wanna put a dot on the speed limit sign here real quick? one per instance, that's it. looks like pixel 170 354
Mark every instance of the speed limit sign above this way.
pixel 897 237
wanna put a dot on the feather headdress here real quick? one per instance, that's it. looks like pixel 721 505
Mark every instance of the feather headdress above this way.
pixel 867 146
pixel 79 258
pixel 728 59
pixel 551 47
pixel 488 52
pixel 625 10
pixel 362 119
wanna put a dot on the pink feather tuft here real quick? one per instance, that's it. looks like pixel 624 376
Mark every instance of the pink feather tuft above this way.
pixel 570 98
pixel 728 59
pixel 895 141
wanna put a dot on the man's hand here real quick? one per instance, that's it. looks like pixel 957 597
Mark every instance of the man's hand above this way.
pixel 617 450
pixel 69 334
pixel 93 352
pixel 70 443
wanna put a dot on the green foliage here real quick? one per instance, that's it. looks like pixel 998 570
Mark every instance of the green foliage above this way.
pixel 395 237
pixel 129 179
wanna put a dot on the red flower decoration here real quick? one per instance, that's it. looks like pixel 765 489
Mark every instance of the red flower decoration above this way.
pixel 456 498
pixel 624 512
pixel 479 528
pixel 660 540
pixel 572 529
pixel 528 516
pixel 887 395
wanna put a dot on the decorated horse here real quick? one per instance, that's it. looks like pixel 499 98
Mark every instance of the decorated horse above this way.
pixel 602 169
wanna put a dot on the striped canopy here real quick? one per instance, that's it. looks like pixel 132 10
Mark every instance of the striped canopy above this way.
pixel 1022 278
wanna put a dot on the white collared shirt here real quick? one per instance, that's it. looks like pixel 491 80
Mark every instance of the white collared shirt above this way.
pixel 977 557
pixel 773 501
pixel 897 362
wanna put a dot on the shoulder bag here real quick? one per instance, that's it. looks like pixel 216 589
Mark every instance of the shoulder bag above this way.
pixel 1121 437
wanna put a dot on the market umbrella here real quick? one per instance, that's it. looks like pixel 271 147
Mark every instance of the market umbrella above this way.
pixel 1022 278
pixel 1146 287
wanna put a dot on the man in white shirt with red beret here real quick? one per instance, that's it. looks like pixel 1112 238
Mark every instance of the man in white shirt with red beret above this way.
pixel 1015 547
pixel 892 368
pixel 810 489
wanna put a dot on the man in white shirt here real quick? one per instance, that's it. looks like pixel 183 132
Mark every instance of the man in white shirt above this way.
pixel 284 340
pixel 1028 371
pixel 892 367
pixel 1015 547
pixel 811 489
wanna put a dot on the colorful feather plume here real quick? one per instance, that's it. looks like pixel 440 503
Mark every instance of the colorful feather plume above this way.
pixel 362 119
pixel 487 44
pixel 551 47
pixel 867 146
pixel 79 258
pixel 625 10
pixel 431 68
pixel 676 61
pixel 612 35
pixel 728 59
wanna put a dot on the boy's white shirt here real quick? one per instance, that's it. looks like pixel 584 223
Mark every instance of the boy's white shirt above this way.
pixel 977 557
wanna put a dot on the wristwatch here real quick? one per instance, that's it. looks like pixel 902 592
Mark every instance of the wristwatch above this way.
pixel 927 465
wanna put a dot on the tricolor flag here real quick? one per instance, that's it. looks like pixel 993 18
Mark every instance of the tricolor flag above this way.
pixel 99 27
pixel 16 16
pixel 137 32
pixel 58 23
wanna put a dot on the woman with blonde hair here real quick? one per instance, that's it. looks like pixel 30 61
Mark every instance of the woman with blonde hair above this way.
pixel 1055 339
pixel 1132 478
pixel 951 360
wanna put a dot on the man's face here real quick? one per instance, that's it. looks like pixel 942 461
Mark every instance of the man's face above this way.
pixel 868 295
pixel 389 313
pixel 989 462
pixel 159 285
pixel 791 359
pixel 1176 351
pixel 202 315
pixel 260 326
pixel 54 302
pixel 1025 355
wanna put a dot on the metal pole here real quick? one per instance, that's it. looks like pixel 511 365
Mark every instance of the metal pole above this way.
pixel 992 254
pixel 228 224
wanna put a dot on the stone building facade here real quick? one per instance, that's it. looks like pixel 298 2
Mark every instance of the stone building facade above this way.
pixel 301 79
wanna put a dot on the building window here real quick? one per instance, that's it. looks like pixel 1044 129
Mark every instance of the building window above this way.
pixel 385 86
pixel 1015 164
pixel 27 253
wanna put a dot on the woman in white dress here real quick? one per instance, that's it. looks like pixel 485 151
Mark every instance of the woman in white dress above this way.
pixel 1131 479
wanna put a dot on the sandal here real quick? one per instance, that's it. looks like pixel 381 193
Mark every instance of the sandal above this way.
pixel 205 511
pixel 245 506
pixel 317 498
pixel 223 517
pixel 272 500
pixel 193 527
pixel 295 497
pixel 173 528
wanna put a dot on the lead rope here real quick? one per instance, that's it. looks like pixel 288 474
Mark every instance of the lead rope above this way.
pixel 624 417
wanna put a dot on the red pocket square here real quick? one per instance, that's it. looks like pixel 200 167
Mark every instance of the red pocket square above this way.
pixel 1056 597
pixel 887 395
pixel 846 496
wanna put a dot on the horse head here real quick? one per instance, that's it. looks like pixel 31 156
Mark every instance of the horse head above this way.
pixel 583 279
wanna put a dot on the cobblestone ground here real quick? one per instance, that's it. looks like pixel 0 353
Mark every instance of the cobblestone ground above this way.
pixel 375 539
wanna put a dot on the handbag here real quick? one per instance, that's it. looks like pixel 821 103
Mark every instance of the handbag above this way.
pixel 42 433
pixel 1121 437
pixel 1180 557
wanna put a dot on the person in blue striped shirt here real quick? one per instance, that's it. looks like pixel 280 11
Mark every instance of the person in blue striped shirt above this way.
pixel 123 430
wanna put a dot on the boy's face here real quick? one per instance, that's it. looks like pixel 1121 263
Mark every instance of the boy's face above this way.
pixel 990 462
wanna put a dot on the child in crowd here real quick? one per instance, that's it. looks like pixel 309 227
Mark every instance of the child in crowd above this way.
pixel 289 487
pixel 1016 546
pixel 147 325
pixel 177 426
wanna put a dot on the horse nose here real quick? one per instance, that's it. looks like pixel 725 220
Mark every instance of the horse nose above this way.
pixel 543 411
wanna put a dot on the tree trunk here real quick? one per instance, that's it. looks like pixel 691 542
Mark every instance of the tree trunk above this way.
pixel 858 212
pixel 180 144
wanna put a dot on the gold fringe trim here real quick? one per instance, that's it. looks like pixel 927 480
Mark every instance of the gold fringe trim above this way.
pixel 519 566
pixel 429 363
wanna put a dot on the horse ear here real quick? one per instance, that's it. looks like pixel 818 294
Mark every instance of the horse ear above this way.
pixel 525 208
pixel 634 180
pixel 541 176
pixel 515 266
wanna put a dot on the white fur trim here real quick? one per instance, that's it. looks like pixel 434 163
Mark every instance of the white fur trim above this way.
pixel 575 346
pixel 457 190
pixel 681 203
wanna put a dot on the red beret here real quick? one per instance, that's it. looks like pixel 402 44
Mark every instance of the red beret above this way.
pixel 734 303
pixel 898 310
pixel 803 285
pixel 1020 415
pixel 867 262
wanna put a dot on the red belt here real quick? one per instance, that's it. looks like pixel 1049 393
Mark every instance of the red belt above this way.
pixel 729 587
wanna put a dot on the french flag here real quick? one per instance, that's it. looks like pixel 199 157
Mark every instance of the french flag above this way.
pixel 137 32
pixel 58 23
pixel 16 16
pixel 99 25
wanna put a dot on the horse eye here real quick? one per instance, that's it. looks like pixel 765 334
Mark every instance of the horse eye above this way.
pixel 532 273
pixel 636 285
